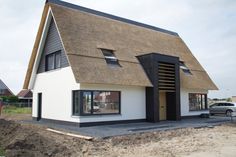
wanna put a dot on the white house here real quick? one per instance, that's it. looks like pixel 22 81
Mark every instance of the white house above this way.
pixel 91 68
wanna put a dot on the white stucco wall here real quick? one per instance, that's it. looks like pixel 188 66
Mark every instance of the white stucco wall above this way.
pixel 133 103
pixel 56 88
pixel 184 101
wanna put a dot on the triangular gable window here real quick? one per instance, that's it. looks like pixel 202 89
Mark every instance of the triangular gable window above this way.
pixel 110 57
pixel 184 68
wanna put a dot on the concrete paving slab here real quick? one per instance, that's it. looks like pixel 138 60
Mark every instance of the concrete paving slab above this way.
pixel 106 131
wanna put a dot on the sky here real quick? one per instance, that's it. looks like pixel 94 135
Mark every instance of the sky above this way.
pixel 208 27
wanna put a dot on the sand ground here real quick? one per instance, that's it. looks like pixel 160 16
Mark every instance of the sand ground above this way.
pixel 33 140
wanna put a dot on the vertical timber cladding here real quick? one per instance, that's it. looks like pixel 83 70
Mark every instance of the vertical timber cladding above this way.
pixel 166 77
pixel 163 72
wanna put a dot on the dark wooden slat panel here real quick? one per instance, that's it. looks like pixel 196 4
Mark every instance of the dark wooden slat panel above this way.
pixel 166 68
pixel 166 78
pixel 166 90
pixel 167 65
pixel 164 74
pixel 165 81
pixel 165 71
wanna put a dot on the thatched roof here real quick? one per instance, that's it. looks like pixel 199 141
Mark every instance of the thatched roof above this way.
pixel 84 31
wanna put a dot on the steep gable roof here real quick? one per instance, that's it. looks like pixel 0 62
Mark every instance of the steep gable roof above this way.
pixel 3 86
pixel 84 32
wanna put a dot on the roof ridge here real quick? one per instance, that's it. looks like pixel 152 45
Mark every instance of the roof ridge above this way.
pixel 110 16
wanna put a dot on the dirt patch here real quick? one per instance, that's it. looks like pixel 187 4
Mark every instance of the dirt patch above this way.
pixel 16 117
pixel 18 140
pixel 33 140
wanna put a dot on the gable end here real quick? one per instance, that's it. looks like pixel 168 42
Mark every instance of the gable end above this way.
pixel 52 44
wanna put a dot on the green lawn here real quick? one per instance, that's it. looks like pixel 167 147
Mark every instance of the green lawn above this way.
pixel 16 110
pixel 2 152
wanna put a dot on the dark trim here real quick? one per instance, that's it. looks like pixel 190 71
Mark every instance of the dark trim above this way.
pixel 39 104
pixel 201 115
pixel 190 117
pixel 98 13
pixel 112 122
pixel 150 63
pixel 92 91
pixel 60 122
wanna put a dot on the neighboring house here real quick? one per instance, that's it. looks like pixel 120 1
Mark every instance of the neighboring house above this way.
pixel 4 90
pixel 90 68
pixel 233 98
pixel 25 98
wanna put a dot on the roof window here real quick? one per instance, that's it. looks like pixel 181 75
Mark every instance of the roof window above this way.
pixel 184 68
pixel 110 57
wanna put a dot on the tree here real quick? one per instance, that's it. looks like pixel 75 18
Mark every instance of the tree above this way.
pixel 9 99
pixel 229 100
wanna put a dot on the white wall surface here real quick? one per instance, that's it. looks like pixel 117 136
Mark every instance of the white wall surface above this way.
pixel 56 87
pixel 184 97
pixel 133 103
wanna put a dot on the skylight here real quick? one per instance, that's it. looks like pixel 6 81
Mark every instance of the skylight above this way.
pixel 184 68
pixel 110 57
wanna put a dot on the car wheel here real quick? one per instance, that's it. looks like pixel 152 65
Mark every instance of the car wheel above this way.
pixel 228 113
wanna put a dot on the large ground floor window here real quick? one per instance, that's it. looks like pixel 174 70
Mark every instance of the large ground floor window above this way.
pixel 197 102
pixel 96 102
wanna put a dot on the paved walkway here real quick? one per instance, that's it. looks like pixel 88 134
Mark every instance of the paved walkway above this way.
pixel 105 131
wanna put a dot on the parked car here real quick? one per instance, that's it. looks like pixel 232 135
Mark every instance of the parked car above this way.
pixel 223 108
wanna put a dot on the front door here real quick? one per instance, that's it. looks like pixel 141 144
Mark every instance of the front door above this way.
pixel 162 105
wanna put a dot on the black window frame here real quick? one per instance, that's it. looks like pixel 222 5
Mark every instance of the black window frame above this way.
pixel 206 102
pixel 81 113
pixel 54 54
pixel 111 62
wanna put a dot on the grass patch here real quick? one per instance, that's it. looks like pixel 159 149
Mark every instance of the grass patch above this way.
pixel 16 110
pixel 2 152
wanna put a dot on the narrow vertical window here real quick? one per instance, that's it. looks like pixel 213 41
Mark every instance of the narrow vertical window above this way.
pixel 49 62
pixel 57 60
pixel 53 61
pixel 76 102
pixel 87 102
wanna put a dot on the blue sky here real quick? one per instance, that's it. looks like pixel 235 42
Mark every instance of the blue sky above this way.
pixel 208 27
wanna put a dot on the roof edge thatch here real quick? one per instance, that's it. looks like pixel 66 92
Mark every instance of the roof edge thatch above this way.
pixel 35 47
